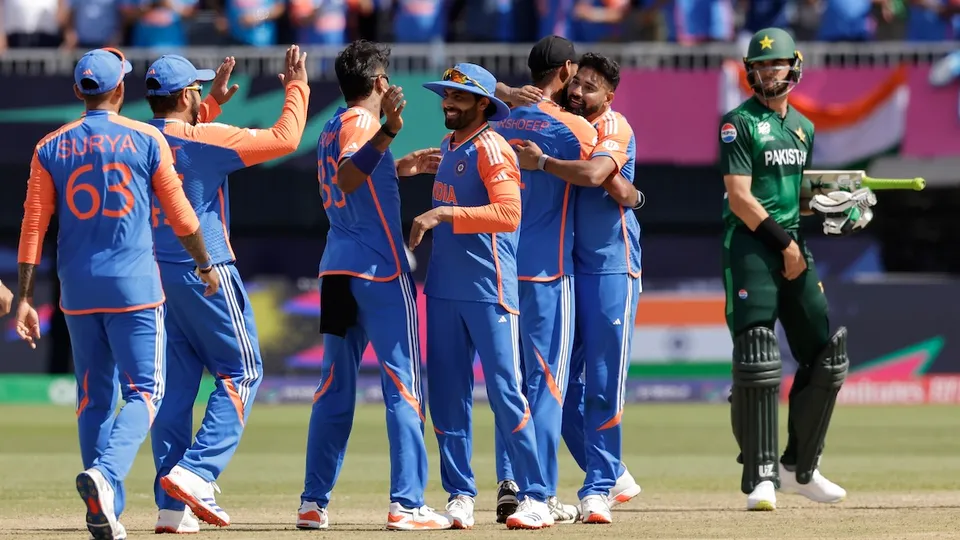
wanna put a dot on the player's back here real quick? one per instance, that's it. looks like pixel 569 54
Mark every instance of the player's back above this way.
pixel 546 232
pixel 101 168
pixel 467 265
pixel 607 234
pixel 365 238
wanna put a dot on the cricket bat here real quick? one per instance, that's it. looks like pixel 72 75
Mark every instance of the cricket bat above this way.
pixel 826 181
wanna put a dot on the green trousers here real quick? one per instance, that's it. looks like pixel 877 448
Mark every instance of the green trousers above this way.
pixel 759 295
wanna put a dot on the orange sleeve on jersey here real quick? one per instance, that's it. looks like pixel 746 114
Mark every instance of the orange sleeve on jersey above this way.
pixel 615 134
pixel 256 146
pixel 498 170
pixel 169 190
pixel 38 208
pixel 581 129
pixel 209 110
pixel 355 130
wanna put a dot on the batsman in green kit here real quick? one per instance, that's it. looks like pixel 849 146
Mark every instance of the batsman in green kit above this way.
pixel 769 275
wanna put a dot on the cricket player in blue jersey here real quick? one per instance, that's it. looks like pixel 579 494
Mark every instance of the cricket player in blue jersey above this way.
pixel 218 333
pixel 472 298
pixel 367 294
pixel 545 264
pixel 99 174
pixel 607 272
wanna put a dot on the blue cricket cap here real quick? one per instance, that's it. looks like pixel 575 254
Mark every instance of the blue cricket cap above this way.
pixel 473 79
pixel 172 73
pixel 105 68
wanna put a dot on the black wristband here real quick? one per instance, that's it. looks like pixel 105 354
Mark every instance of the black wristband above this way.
pixel 387 132
pixel 772 235
pixel 206 270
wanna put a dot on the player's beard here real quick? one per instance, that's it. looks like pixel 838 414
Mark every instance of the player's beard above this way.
pixel 195 110
pixel 460 120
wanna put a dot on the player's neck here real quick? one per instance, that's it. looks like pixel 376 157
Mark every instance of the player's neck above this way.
pixel 553 90
pixel 461 135
pixel 777 105
pixel 370 104
pixel 184 117
pixel 594 117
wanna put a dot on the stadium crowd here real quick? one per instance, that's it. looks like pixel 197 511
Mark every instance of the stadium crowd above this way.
pixel 85 24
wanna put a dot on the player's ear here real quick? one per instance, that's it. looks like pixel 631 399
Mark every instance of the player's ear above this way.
pixel 609 98
pixel 76 92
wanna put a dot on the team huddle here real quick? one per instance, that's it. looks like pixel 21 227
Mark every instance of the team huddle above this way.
pixel 535 267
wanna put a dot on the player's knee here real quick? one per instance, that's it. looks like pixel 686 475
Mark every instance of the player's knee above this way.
pixel 832 365
pixel 756 358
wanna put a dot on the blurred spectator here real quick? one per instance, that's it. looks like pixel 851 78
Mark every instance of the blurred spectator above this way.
pixel 90 24
pixel 420 21
pixel 555 17
pixel 319 22
pixel 760 14
pixel 29 23
pixel 701 21
pixel 595 21
pixel 158 23
pixel 933 20
pixel 489 21
pixel 851 20
pixel 251 22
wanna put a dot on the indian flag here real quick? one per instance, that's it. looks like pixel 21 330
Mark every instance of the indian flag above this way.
pixel 869 123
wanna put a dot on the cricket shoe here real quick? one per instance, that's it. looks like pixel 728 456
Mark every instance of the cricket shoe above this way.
pixel 416 519
pixel 312 516
pixel 98 495
pixel 624 490
pixel 595 509
pixel 177 522
pixel 197 493
pixel 460 512
pixel 563 513
pixel 506 500
pixel 819 489
pixel 763 497
pixel 530 514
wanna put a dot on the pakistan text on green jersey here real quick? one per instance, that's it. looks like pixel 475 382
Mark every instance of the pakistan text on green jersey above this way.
pixel 756 142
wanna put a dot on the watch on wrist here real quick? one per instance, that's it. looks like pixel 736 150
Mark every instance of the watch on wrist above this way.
pixel 542 161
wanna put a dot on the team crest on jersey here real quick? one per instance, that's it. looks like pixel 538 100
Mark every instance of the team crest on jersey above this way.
pixel 460 167
pixel 763 128
pixel 728 133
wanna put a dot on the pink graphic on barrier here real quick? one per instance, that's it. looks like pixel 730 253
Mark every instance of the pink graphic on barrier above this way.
pixel 933 127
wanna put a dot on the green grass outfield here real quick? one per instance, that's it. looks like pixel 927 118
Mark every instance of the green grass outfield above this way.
pixel 901 466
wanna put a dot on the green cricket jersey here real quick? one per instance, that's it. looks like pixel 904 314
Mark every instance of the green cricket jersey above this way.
pixel 756 142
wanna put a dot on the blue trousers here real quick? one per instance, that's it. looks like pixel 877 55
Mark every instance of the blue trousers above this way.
pixel 107 347
pixel 216 333
pixel 547 327
pixel 592 430
pixel 456 332
pixel 387 319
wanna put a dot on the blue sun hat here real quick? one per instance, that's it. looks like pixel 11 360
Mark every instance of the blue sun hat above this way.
pixel 474 79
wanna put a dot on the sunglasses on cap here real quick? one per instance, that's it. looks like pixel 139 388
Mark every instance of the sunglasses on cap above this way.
pixel 458 77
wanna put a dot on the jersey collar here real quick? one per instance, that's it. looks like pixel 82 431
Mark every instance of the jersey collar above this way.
pixel 468 138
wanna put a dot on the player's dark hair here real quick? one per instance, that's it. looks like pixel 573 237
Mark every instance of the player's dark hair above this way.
pixel 541 77
pixel 357 67
pixel 161 105
pixel 607 68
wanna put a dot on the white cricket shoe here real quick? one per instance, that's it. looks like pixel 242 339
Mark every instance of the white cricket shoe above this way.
pixel 595 509
pixel 424 518
pixel 460 512
pixel 530 514
pixel 177 522
pixel 763 497
pixel 563 513
pixel 624 490
pixel 312 516
pixel 197 493
pixel 819 489
pixel 98 494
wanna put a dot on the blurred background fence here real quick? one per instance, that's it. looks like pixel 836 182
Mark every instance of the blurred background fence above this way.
pixel 894 285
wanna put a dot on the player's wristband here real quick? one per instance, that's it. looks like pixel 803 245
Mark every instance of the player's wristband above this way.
pixel 387 132
pixel 640 200
pixel 772 235
pixel 367 158
pixel 206 269
pixel 542 161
